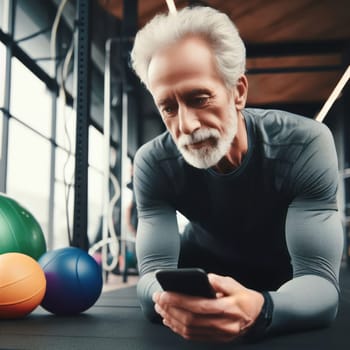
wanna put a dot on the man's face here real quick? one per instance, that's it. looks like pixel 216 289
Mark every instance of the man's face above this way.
pixel 195 104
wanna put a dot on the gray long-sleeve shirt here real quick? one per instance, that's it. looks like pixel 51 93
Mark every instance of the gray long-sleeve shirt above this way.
pixel 275 215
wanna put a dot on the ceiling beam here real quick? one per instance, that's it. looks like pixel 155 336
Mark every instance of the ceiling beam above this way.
pixel 295 48
pixel 306 69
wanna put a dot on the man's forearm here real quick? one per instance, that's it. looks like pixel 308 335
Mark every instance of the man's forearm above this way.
pixel 308 301
pixel 146 286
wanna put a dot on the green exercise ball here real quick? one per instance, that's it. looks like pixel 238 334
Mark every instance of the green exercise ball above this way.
pixel 19 230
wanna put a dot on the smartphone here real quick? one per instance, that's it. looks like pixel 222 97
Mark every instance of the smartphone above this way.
pixel 190 281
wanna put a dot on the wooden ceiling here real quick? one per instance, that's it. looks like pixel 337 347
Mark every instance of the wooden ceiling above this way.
pixel 297 50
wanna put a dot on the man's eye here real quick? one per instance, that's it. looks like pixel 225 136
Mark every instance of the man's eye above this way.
pixel 168 110
pixel 199 101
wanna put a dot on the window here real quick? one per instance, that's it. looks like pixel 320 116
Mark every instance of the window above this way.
pixel 61 231
pixel 32 146
pixel 3 152
pixel 96 181
pixel 2 72
pixel 95 204
pixel 65 126
pixel 64 173
pixel 96 148
pixel 1 126
pixel 28 171
pixel 64 166
pixel 31 101
pixel 4 15
pixel 31 17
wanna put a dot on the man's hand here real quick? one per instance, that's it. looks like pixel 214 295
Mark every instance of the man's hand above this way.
pixel 223 319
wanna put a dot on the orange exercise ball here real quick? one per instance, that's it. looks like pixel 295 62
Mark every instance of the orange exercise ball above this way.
pixel 22 285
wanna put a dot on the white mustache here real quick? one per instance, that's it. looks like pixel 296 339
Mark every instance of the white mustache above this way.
pixel 198 136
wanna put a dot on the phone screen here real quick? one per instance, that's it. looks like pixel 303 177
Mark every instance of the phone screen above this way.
pixel 190 281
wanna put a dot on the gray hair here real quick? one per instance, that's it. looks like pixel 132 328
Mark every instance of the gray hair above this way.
pixel 214 26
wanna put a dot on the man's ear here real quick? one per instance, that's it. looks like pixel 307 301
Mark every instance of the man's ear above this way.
pixel 241 92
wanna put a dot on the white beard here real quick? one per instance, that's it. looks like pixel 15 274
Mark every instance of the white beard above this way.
pixel 209 155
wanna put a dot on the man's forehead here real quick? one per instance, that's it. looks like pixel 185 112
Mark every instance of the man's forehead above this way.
pixel 190 53
pixel 190 41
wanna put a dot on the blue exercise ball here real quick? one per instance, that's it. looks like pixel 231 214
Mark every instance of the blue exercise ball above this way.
pixel 73 281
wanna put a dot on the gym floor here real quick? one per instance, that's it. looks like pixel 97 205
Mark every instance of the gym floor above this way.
pixel 115 282
pixel 116 322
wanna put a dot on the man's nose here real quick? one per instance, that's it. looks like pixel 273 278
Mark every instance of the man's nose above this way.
pixel 188 120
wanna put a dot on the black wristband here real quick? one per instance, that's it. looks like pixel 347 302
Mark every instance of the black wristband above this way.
pixel 263 320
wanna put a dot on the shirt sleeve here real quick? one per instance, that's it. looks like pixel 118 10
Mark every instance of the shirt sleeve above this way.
pixel 314 237
pixel 157 240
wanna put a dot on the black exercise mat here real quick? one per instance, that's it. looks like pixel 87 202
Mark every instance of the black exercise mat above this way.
pixel 116 322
